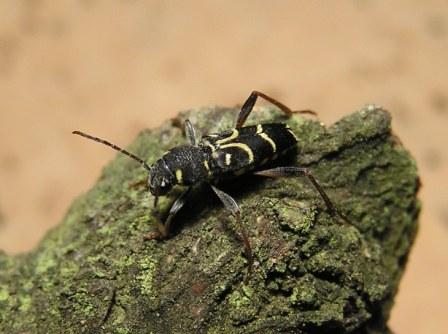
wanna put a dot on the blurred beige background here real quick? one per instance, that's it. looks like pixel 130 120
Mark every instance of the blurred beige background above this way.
pixel 113 68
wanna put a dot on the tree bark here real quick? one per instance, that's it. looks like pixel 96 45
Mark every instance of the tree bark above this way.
pixel 97 273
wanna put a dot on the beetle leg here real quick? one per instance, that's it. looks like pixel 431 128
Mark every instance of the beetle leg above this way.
pixel 232 206
pixel 190 132
pixel 297 171
pixel 177 205
pixel 160 233
pixel 248 106
pixel 164 228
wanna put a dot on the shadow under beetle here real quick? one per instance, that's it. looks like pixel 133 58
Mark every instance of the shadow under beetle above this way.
pixel 221 156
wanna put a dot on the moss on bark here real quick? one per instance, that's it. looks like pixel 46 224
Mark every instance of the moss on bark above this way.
pixel 96 273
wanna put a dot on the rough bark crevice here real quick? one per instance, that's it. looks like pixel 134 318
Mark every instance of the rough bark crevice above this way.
pixel 96 273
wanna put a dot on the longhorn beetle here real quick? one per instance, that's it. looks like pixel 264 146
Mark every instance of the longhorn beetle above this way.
pixel 221 156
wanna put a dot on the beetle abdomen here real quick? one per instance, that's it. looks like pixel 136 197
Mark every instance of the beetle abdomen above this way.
pixel 237 150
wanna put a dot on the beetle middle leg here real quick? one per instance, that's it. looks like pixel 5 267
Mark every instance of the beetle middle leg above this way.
pixel 231 205
pixel 248 106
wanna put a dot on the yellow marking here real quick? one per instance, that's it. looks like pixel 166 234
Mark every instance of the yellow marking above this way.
pixel 259 129
pixel 179 176
pixel 234 134
pixel 244 147
pixel 207 167
pixel 211 146
pixel 293 134
pixel 269 140
pixel 228 159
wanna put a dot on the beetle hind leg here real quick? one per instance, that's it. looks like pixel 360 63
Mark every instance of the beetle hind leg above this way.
pixel 248 106
pixel 298 171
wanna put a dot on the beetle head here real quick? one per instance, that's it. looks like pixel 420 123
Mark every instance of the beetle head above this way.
pixel 160 179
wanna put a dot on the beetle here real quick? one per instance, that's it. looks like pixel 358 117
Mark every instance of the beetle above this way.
pixel 222 156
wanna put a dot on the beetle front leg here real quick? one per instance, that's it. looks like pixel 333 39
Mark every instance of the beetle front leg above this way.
pixel 164 227
pixel 161 231
pixel 190 133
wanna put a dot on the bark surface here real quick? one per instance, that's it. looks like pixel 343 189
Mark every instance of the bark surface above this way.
pixel 96 272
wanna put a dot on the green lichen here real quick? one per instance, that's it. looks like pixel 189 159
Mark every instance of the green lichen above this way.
pixel 44 262
pixel 4 293
pixel 97 273
pixel 25 303
pixel 146 276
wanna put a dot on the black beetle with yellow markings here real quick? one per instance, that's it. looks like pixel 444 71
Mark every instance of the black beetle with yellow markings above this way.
pixel 221 156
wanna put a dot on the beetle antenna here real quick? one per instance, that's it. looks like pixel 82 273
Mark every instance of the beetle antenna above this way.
pixel 115 147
